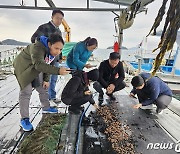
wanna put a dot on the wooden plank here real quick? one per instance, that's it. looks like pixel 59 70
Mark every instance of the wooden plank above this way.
pixel 11 134
pixel 170 122
pixel 71 133
pixel 11 131
pixel 145 129
pixel 63 140
pixel 175 106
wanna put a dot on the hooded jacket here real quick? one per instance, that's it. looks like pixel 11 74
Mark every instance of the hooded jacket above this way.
pixel 75 88
pixel 30 62
pixel 78 56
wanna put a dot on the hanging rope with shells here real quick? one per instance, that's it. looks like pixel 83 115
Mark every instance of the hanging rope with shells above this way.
pixel 169 33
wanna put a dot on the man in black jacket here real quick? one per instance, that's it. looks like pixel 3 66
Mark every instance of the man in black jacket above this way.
pixel 76 91
pixel 111 76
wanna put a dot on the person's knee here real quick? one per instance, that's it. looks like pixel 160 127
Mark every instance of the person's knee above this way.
pixel 121 86
pixel 27 91
pixel 97 86
pixel 163 101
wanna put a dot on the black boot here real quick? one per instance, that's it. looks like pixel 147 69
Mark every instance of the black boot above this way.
pixel 112 97
pixel 100 99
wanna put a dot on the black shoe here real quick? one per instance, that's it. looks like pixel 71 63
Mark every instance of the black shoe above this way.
pixel 159 110
pixel 100 98
pixel 74 110
pixel 112 97
pixel 85 121
pixel 81 108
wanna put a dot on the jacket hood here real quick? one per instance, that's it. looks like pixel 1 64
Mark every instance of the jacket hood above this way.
pixel 44 41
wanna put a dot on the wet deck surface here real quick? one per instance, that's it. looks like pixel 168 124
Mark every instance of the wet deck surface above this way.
pixel 10 132
pixel 147 128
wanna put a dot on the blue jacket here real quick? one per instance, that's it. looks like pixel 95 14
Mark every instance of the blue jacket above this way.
pixel 154 87
pixel 78 56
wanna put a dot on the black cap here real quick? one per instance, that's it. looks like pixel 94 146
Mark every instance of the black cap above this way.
pixel 137 81
pixel 93 75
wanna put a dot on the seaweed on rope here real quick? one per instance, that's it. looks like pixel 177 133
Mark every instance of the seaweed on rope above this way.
pixel 169 33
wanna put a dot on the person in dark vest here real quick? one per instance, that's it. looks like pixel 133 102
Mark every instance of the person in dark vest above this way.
pixel 32 68
pixel 111 76
pixel 151 90
pixel 52 27
pixel 76 91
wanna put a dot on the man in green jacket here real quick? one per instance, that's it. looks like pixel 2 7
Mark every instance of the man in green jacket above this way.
pixel 46 30
pixel 32 69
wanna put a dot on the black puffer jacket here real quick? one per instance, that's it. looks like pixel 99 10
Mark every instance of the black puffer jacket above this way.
pixel 75 88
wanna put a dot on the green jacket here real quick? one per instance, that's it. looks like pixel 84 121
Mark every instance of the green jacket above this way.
pixel 30 62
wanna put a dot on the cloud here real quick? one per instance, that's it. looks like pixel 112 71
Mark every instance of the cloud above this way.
pixel 21 24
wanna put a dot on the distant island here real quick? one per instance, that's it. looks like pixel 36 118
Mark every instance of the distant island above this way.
pixel 13 42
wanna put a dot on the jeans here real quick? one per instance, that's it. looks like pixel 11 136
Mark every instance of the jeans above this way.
pixel 52 84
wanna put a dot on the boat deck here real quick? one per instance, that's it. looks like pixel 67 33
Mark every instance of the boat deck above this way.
pixel 11 133
pixel 163 128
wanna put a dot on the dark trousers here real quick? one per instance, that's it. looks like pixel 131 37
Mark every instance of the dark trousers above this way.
pixel 161 102
pixel 77 102
pixel 98 87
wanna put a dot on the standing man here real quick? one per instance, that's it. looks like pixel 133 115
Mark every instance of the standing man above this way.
pixel 46 30
pixel 111 76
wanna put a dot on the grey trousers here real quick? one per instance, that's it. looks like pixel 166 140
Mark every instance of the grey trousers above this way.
pixel 163 101
pixel 25 96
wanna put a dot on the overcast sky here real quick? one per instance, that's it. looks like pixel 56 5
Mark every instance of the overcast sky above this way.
pixel 21 24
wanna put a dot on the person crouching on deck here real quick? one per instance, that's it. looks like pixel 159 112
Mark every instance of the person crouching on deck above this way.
pixel 111 76
pixel 76 91
pixel 151 90
pixel 32 69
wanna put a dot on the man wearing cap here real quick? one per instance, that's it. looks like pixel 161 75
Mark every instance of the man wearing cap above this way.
pixel 111 76
pixel 151 90
pixel 76 91
pixel 52 27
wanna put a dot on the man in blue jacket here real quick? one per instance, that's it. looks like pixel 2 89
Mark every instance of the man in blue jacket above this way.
pixel 151 90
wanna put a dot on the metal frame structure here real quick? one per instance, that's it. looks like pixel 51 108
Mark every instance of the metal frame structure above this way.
pixel 61 8
pixel 52 6
pixel 119 3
